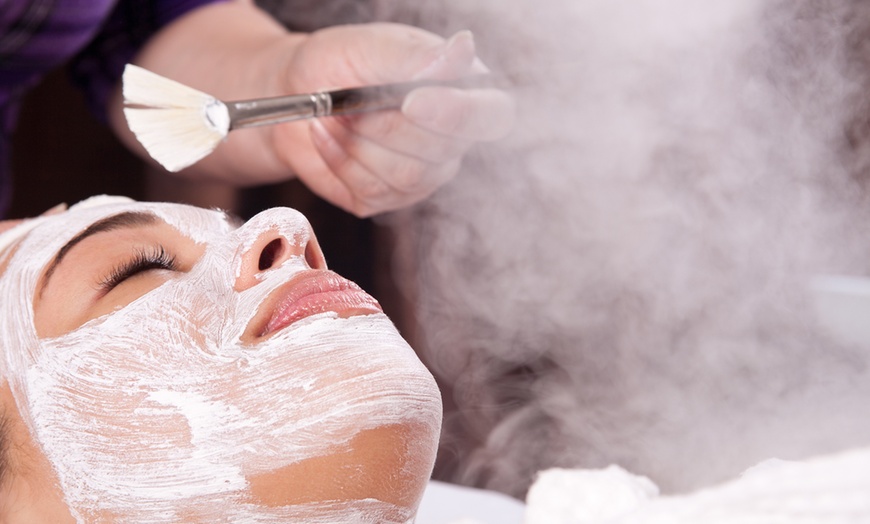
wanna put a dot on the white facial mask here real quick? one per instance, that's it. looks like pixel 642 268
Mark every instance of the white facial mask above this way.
pixel 157 412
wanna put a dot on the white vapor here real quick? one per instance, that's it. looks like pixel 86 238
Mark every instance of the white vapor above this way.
pixel 624 279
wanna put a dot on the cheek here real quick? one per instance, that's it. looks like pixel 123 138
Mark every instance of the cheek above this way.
pixel 152 395
pixel 132 289
pixel 63 308
pixel 58 310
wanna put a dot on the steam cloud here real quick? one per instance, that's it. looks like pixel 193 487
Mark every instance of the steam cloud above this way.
pixel 624 279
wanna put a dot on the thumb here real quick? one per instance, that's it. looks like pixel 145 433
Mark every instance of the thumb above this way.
pixel 456 57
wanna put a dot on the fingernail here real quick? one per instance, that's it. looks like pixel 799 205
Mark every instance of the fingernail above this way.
pixel 60 208
pixel 419 107
pixel 464 37
pixel 325 140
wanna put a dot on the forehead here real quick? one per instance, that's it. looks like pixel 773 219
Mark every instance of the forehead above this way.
pixel 201 225
pixel 37 241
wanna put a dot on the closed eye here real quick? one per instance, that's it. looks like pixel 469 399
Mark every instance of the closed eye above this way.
pixel 142 260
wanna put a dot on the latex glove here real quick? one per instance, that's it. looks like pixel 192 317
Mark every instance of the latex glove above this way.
pixel 377 162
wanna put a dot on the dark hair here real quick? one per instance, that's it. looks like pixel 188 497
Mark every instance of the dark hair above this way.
pixel 4 447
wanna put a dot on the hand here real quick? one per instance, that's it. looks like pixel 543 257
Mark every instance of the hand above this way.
pixel 365 164
pixel 377 162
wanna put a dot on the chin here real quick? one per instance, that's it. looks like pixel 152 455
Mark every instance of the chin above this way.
pixel 390 464
pixel 386 438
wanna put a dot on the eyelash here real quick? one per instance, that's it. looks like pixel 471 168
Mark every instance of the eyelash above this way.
pixel 142 261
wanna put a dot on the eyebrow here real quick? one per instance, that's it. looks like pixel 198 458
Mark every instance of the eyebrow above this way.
pixel 129 219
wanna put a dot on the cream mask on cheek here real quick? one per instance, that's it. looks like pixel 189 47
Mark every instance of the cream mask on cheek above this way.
pixel 158 411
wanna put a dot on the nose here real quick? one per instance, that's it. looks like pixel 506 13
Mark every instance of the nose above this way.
pixel 273 247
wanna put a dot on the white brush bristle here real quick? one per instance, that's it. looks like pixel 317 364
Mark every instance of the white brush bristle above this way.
pixel 169 119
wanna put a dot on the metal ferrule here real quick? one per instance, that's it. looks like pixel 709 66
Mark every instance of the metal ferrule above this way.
pixel 250 113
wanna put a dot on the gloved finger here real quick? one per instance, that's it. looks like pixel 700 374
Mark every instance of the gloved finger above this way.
pixel 318 177
pixel 392 131
pixel 401 172
pixel 365 191
pixel 392 183
pixel 470 114
pixel 436 124
pixel 456 58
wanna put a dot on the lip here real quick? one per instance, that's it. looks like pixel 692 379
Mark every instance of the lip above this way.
pixel 310 293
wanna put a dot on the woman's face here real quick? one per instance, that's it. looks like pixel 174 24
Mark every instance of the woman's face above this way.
pixel 172 367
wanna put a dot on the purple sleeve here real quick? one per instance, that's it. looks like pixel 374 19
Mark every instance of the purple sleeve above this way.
pixel 98 67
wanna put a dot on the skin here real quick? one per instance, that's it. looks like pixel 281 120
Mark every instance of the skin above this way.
pixel 365 164
pixel 372 465
pixel 30 492
pixel 9 224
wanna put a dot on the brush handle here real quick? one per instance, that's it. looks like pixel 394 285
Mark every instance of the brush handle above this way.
pixel 391 96
pixel 264 111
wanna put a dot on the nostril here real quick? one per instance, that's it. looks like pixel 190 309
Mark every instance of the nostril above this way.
pixel 270 254
pixel 311 257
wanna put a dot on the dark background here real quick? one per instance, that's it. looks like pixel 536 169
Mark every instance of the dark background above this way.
pixel 61 153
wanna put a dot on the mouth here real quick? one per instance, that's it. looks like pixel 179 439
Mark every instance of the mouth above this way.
pixel 311 293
